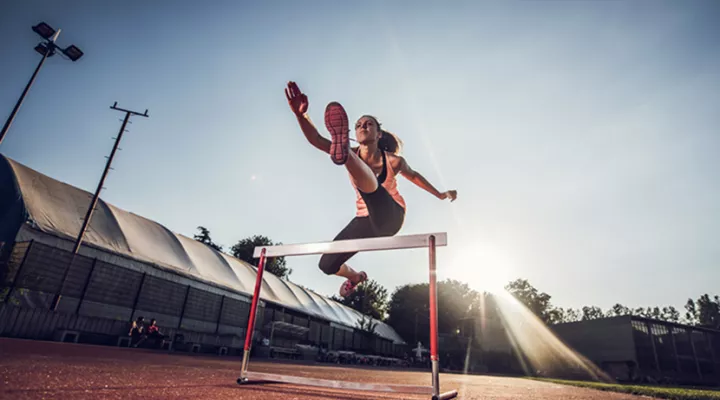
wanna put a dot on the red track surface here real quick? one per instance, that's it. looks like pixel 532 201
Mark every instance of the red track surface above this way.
pixel 49 370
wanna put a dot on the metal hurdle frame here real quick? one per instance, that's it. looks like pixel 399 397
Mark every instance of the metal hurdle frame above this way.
pixel 431 241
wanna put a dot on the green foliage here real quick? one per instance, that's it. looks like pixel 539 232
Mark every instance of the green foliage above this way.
pixel 409 309
pixel 619 310
pixel 244 249
pixel 408 312
pixel 369 298
pixel 204 237
pixel 535 301
pixel 563 315
pixel 367 326
pixel 592 312
pixel 704 312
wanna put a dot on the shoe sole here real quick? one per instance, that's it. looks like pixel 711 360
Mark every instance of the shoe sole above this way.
pixel 336 122
pixel 351 291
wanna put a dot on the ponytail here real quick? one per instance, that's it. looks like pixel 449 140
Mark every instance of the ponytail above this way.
pixel 389 142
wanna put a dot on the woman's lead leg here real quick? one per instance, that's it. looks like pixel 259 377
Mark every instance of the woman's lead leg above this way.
pixel 361 174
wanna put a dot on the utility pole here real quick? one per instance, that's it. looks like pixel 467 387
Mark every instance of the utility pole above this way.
pixel 94 201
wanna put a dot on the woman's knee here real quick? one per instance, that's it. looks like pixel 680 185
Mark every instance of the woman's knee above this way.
pixel 329 265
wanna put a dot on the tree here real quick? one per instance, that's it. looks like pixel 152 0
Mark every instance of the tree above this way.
pixel 538 303
pixel 618 310
pixel 245 248
pixel 592 312
pixel 642 312
pixel 670 314
pixel 367 326
pixel 408 310
pixel 204 237
pixel 704 312
pixel 561 315
pixel 691 316
pixel 456 301
pixel 369 298
pixel 662 314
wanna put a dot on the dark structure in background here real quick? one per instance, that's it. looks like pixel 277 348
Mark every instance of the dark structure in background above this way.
pixel 129 266
pixel 639 349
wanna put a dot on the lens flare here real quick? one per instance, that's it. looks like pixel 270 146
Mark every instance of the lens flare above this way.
pixel 482 265
pixel 537 349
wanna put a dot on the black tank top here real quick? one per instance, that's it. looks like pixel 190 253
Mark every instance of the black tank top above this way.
pixel 383 174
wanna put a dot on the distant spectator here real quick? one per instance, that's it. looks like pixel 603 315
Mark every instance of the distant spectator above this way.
pixel 137 332
pixel 153 332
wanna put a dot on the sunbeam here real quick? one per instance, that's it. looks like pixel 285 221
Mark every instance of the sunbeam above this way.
pixel 539 351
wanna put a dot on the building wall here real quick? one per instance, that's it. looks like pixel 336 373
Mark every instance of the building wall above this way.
pixel 605 340
pixel 677 353
pixel 660 351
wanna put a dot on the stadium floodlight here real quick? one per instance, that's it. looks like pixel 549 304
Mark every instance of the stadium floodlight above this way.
pixel 43 49
pixel 46 49
pixel 44 30
pixel 73 52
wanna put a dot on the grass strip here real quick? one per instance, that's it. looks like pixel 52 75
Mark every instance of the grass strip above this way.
pixel 662 392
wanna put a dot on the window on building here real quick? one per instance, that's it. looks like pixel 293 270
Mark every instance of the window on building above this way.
pixel 643 345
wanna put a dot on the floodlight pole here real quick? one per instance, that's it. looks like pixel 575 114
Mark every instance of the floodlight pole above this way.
pixel 11 118
pixel 93 203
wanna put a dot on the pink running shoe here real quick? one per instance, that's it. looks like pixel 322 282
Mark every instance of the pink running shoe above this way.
pixel 348 287
pixel 336 121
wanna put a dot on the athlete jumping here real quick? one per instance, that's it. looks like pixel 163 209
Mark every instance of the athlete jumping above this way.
pixel 372 167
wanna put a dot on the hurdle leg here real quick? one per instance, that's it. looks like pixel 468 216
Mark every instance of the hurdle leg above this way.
pixel 434 358
pixel 251 319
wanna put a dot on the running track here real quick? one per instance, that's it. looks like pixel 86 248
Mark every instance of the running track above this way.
pixel 50 370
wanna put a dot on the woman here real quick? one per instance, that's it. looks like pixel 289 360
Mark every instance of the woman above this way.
pixel 372 167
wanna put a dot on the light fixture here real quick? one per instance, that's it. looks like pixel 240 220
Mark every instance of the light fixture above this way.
pixel 44 30
pixel 42 49
pixel 73 52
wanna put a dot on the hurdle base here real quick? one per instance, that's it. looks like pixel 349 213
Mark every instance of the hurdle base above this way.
pixel 446 396
pixel 332 384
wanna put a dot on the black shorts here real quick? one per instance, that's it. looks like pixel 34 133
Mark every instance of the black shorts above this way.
pixel 385 218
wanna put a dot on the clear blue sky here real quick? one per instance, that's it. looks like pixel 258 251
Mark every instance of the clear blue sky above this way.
pixel 582 137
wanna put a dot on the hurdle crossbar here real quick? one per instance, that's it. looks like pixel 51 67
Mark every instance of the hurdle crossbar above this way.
pixel 328 383
pixel 430 241
pixel 354 245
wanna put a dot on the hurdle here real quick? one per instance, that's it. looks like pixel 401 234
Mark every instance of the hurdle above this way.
pixel 429 241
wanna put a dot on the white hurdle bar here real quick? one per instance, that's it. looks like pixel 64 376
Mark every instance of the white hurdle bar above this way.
pixel 430 241
pixel 347 246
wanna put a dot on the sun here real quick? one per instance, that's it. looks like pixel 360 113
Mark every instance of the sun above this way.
pixel 483 267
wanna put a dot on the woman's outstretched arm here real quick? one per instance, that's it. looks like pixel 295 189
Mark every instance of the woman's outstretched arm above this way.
pixel 419 180
pixel 298 102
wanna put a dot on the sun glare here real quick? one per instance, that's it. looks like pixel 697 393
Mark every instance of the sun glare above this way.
pixel 540 351
pixel 483 267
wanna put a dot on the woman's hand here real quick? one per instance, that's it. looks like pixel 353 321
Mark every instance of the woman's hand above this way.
pixel 297 100
pixel 450 194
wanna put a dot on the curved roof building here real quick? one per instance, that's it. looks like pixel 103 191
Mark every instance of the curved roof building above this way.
pixel 35 206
